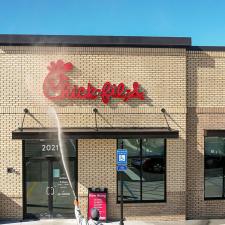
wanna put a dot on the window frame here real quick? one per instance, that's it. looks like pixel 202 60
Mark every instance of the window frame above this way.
pixel 165 177
pixel 223 194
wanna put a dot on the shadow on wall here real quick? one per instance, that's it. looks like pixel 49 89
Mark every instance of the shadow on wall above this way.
pixel 8 208
pixel 194 157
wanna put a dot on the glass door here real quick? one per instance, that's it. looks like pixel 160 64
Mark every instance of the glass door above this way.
pixel 62 193
pixel 37 189
pixel 48 192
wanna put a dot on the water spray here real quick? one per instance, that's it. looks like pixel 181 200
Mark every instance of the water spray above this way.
pixel 52 110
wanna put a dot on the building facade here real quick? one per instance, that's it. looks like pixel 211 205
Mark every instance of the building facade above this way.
pixel 171 121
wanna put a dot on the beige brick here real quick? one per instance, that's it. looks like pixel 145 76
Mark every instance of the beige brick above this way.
pixel 161 73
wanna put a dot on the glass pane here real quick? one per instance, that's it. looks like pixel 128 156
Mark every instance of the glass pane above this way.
pixel 153 169
pixel 213 182
pixel 214 162
pixel 131 177
pixel 132 146
pixel 62 195
pixel 40 148
pixel 215 146
pixel 36 186
pixel 153 147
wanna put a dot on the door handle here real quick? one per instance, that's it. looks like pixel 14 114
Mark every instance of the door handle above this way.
pixel 47 190
pixel 52 190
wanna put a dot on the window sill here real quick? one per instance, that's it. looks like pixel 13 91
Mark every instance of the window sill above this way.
pixel 143 201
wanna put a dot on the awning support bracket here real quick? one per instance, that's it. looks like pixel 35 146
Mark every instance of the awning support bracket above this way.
pixel 24 115
pixel 26 111
pixel 95 110
pixel 164 114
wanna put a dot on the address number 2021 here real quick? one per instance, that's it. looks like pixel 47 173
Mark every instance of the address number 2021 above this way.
pixel 50 148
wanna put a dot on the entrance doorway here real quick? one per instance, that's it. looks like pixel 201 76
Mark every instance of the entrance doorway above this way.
pixel 47 191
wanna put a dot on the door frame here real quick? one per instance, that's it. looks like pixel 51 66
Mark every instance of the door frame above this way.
pixel 24 194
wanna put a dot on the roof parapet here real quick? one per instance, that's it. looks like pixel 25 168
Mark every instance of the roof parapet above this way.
pixel 94 41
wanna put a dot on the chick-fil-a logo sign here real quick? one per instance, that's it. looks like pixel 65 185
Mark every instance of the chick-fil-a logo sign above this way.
pixel 57 86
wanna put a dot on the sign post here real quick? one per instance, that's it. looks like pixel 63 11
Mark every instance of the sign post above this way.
pixel 121 161
pixel 121 198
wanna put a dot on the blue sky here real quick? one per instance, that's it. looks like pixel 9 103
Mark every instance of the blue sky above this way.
pixel 203 20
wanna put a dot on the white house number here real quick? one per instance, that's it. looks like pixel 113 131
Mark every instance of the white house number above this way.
pixel 49 148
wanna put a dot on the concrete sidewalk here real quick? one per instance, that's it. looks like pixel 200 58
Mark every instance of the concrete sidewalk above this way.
pixel 73 221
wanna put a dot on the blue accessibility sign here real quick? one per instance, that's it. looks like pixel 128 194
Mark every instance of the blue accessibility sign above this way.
pixel 121 157
pixel 121 167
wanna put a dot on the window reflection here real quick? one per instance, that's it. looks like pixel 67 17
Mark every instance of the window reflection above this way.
pixel 144 179
pixel 214 167
pixel 131 178
pixel 153 169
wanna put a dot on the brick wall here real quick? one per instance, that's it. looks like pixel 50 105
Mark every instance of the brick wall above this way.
pixel 162 75
pixel 205 101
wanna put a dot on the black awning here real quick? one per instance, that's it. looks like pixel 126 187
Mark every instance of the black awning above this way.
pixel 92 133
pixel 214 133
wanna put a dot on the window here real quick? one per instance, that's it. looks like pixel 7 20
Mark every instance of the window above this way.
pixel 214 167
pixel 144 180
